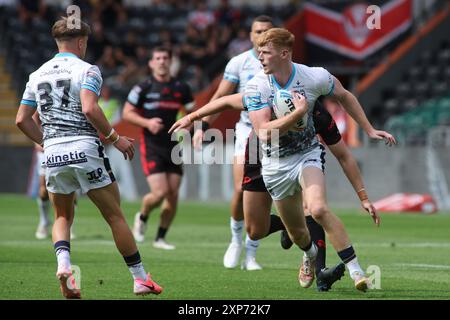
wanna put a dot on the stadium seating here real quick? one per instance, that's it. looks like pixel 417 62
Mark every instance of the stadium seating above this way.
pixel 414 100
pixel 411 127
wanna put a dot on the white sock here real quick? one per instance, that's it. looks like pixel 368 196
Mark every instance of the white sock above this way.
pixel 250 247
pixel 43 206
pixel 236 230
pixel 138 271
pixel 353 266
pixel 63 258
pixel 312 252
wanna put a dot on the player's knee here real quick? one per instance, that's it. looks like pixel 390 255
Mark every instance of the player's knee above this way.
pixel 300 235
pixel 114 219
pixel 319 211
pixel 254 232
pixel 160 193
pixel 172 195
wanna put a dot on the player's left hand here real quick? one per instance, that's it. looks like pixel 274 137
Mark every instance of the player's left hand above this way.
pixel 368 206
pixel 380 134
pixel 125 145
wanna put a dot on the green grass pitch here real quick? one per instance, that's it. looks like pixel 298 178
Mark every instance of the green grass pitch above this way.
pixel 412 252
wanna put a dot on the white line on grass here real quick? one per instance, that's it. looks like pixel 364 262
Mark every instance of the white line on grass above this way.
pixel 404 245
pixel 82 242
pixel 423 265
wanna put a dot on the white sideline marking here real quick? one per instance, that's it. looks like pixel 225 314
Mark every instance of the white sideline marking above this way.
pixel 404 245
pixel 422 265
pixel 82 242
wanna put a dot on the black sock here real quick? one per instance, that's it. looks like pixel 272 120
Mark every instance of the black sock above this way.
pixel 307 247
pixel 347 255
pixel 275 224
pixel 133 259
pixel 61 245
pixel 161 233
pixel 318 236
pixel 143 218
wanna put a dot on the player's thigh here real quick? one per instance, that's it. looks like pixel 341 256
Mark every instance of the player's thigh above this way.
pixel 313 184
pixel 158 183
pixel 106 199
pixel 174 181
pixel 238 172
pixel 257 206
pixel 63 204
pixel 291 212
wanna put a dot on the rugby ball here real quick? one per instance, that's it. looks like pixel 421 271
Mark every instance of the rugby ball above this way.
pixel 283 105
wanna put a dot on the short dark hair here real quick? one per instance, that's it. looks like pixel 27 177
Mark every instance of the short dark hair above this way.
pixel 263 18
pixel 62 32
pixel 160 49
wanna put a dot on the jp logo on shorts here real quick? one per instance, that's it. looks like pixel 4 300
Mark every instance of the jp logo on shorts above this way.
pixel 61 160
pixel 96 176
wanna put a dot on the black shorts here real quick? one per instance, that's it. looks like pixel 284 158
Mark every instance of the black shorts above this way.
pixel 253 180
pixel 157 160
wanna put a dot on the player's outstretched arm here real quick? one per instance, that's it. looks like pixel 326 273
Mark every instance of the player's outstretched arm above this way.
pixel 25 122
pixel 95 115
pixel 265 128
pixel 351 170
pixel 225 88
pixel 214 107
pixel 355 110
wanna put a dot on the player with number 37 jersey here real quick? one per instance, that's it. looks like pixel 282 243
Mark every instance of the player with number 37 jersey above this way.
pixel 55 90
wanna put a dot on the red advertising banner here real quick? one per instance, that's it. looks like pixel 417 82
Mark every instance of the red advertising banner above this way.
pixel 360 29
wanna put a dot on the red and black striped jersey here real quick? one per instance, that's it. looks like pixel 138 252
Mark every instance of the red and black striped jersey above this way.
pixel 163 100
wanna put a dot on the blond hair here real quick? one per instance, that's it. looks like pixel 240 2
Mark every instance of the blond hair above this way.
pixel 280 38
pixel 65 30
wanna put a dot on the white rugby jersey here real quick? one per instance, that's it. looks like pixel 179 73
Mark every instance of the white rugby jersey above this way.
pixel 54 89
pixel 312 82
pixel 240 70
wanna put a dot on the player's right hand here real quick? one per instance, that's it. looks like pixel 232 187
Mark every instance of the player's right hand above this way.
pixel 197 139
pixel 368 206
pixel 382 135
pixel 125 145
pixel 155 125
pixel 183 123
pixel 300 102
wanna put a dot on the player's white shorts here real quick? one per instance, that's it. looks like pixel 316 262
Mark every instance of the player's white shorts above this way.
pixel 242 132
pixel 281 176
pixel 77 164
pixel 40 158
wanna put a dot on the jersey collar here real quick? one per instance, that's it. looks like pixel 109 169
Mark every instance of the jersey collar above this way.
pixel 289 81
pixel 254 53
pixel 65 54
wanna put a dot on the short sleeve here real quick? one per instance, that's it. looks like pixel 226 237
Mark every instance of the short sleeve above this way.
pixel 256 95
pixel 232 71
pixel 92 80
pixel 325 125
pixel 135 96
pixel 324 81
pixel 29 97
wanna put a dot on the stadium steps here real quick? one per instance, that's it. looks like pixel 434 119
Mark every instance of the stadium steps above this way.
pixel 10 135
